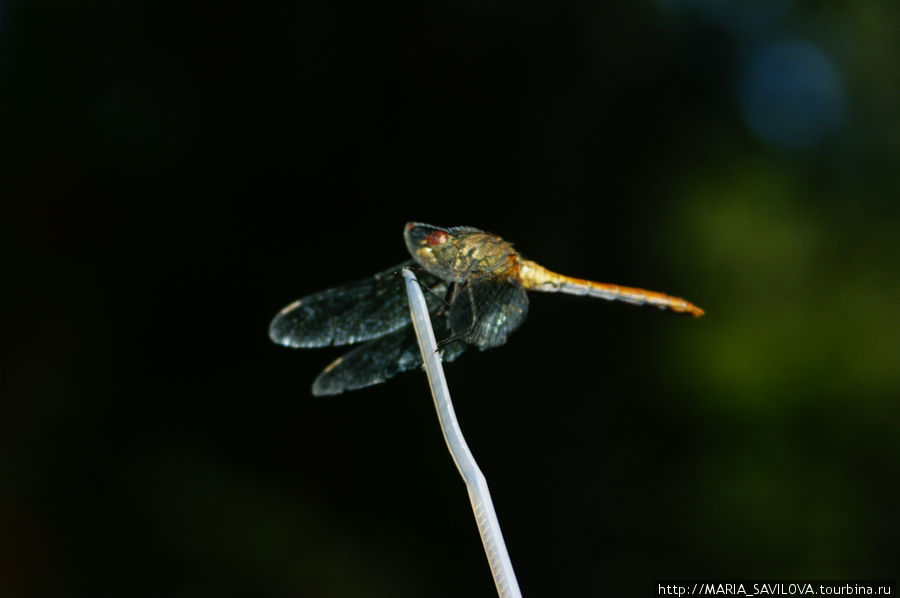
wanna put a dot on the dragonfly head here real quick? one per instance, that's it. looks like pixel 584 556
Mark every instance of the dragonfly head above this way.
pixel 433 248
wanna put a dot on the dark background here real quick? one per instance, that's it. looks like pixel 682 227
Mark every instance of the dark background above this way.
pixel 177 172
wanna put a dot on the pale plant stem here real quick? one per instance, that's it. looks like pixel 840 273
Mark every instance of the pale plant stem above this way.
pixel 480 497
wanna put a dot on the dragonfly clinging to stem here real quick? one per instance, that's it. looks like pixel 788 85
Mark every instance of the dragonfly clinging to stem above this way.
pixel 476 293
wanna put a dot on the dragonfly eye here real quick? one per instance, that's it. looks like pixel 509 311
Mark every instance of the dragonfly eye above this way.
pixel 436 238
pixel 421 236
pixel 433 248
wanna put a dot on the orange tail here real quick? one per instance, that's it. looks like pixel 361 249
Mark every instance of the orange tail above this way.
pixel 537 278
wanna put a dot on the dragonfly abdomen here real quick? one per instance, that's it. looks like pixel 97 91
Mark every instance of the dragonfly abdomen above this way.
pixel 537 278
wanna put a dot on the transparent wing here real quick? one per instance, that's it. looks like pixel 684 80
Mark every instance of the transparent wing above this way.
pixel 352 313
pixel 380 360
pixel 484 313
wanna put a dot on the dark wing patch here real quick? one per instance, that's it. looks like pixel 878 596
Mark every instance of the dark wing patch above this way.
pixel 352 313
pixel 380 360
pixel 486 313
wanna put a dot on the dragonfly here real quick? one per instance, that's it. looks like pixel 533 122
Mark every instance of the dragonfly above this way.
pixel 476 288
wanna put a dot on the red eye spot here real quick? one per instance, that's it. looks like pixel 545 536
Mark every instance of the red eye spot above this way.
pixel 436 238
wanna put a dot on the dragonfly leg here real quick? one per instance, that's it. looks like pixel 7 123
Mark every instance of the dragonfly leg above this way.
pixel 426 289
pixel 451 339
pixel 462 315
